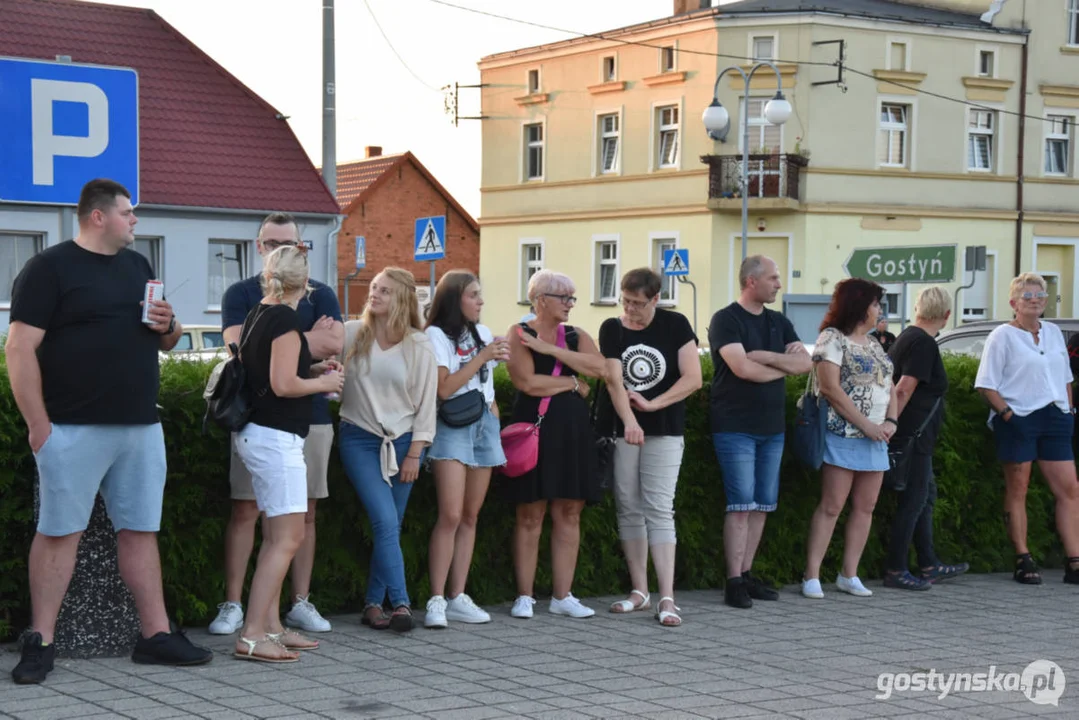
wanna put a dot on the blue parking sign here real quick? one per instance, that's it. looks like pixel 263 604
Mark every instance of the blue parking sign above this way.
pixel 63 125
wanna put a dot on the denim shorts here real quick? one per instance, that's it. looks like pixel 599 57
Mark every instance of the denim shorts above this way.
pixel 857 454
pixel 125 462
pixel 1044 434
pixel 750 466
pixel 478 445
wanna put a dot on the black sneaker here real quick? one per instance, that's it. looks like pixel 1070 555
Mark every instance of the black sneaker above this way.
pixel 170 649
pixel 736 594
pixel 36 662
pixel 757 588
pixel 1071 573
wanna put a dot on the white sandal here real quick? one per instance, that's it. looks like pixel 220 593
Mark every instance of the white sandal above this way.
pixel 626 606
pixel 250 654
pixel 664 615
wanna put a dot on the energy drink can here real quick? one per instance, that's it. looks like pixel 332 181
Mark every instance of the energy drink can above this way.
pixel 155 290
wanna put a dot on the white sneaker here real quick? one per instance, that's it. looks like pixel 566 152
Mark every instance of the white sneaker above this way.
pixel 522 607
pixel 304 616
pixel 812 589
pixel 462 609
pixel 571 606
pixel 230 618
pixel 852 585
pixel 436 612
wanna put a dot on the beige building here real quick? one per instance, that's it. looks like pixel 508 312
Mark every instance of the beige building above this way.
pixel 595 159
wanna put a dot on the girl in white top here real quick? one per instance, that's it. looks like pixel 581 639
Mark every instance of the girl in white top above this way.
pixel 1026 377
pixel 387 420
pixel 467 443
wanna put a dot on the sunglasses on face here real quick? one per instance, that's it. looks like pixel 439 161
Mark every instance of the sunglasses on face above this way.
pixel 1040 295
pixel 565 299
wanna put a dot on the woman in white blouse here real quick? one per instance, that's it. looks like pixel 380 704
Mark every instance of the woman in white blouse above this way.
pixel 387 421
pixel 855 377
pixel 1026 377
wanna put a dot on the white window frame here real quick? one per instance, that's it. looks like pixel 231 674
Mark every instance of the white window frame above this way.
pixel 523 264
pixel 911 124
pixel 897 40
pixel 599 136
pixel 657 240
pixel 994 142
pixel 39 245
pixel 896 313
pixel 991 281
pixel 604 77
pixel 757 122
pixel 993 50
pixel 1069 137
pixel 527 145
pixel 752 41
pixel 656 145
pixel 673 67
pixel 538 87
pixel 157 253
pixel 245 265
pixel 1072 19
pixel 598 262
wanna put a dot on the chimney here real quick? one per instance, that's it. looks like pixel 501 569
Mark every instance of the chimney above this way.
pixel 687 6
pixel 372 151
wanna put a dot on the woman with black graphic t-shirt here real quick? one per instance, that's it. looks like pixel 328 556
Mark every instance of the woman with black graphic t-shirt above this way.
pixel 653 366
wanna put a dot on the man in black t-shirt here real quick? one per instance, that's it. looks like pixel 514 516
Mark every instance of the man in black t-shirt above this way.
pixel 753 350
pixel 880 334
pixel 83 366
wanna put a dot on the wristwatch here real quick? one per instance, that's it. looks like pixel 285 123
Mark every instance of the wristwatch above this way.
pixel 172 326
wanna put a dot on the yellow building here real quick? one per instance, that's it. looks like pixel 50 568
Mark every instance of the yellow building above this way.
pixel 595 158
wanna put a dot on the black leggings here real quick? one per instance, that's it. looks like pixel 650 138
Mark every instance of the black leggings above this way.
pixel 914 517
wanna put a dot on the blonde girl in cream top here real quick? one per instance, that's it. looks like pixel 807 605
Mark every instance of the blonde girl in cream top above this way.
pixel 387 422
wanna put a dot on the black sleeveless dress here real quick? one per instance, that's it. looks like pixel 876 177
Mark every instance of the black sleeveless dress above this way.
pixel 567 467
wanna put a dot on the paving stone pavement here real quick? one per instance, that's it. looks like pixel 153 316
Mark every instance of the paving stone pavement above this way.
pixel 795 658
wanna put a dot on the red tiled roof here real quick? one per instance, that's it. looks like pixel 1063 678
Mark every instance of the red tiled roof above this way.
pixel 358 180
pixel 355 177
pixel 206 140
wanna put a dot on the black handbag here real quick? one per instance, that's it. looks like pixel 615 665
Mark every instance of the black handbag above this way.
pixel 605 442
pixel 895 477
pixel 463 410
pixel 467 408
pixel 229 403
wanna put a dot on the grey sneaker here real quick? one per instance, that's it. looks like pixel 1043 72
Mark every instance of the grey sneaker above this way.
pixel 305 616
pixel 230 618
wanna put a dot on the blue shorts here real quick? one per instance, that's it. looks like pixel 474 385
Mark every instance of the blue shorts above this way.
pixel 750 466
pixel 478 445
pixel 857 454
pixel 125 462
pixel 1044 434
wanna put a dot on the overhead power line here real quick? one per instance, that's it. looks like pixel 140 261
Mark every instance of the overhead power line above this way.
pixel 400 59
pixel 804 63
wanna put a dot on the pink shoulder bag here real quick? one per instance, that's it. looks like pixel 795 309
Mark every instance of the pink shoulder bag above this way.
pixel 520 441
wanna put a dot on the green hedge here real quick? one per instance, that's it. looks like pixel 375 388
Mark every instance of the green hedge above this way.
pixel 968 513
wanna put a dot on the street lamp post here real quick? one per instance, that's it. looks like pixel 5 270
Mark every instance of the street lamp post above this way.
pixel 717 121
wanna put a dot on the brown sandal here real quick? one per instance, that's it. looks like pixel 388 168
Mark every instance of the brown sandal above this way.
pixel 401 619
pixel 376 620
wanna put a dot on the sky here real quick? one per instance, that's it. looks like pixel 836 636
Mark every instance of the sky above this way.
pixel 275 48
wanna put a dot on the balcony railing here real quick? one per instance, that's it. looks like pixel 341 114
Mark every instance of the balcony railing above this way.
pixel 770 176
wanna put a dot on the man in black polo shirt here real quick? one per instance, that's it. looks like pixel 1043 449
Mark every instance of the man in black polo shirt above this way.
pixel 84 370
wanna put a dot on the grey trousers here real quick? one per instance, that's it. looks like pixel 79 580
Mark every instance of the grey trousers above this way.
pixel 644 481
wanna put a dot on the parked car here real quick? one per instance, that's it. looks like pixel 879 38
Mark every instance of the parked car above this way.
pixel 969 339
pixel 199 342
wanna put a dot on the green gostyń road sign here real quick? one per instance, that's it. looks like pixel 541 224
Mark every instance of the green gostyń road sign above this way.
pixel 921 264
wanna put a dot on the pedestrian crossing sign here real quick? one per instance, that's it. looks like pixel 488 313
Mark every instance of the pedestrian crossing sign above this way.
pixel 430 238
pixel 676 261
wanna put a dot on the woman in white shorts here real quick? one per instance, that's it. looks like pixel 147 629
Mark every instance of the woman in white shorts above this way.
pixel 467 443
pixel 280 380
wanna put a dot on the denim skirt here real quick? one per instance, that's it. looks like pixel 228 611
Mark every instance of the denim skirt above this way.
pixel 858 454
pixel 477 445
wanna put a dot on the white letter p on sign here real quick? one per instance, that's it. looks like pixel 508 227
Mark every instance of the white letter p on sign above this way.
pixel 46 145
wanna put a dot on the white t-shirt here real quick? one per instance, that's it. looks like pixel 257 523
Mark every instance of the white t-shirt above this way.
pixel 1027 376
pixel 452 357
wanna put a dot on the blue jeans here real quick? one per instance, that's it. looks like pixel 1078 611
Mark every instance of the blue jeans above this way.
pixel 385 505
pixel 750 466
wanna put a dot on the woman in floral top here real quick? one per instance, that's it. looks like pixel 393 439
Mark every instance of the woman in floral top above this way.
pixel 854 375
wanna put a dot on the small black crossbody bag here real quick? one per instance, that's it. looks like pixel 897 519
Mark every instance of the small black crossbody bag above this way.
pixel 467 408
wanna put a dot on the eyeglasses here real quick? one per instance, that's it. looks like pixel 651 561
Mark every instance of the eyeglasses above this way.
pixel 631 304
pixel 1040 295
pixel 565 299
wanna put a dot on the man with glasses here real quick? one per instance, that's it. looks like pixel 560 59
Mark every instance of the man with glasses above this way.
pixel 320 315
pixel 753 350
